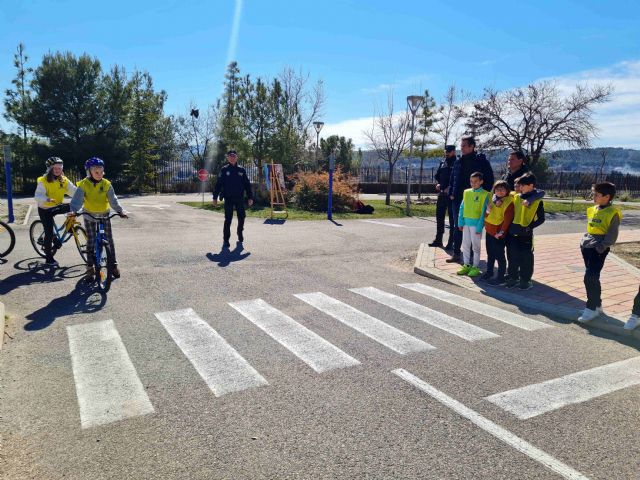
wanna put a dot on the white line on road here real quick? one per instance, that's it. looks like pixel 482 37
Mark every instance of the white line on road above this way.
pixel 107 385
pixel 534 400
pixel 387 224
pixel 389 336
pixel 420 312
pixel 488 426
pixel 222 368
pixel 496 313
pixel 312 349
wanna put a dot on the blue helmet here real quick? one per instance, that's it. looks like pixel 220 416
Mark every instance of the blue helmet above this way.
pixel 93 162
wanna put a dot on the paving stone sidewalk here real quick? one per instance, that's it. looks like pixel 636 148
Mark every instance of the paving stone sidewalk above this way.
pixel 558 278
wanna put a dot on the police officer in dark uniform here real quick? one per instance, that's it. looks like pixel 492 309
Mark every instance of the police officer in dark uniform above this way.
pixel 230 186
pixel 444 204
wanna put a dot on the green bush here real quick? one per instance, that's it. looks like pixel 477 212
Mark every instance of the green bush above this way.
pixel 311 191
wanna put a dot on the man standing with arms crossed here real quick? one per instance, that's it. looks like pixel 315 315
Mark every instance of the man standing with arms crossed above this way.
pixel 231 185
pixel 443 206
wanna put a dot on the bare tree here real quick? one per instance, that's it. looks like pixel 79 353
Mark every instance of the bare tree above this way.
pixel 196 133
pixel 533 117
pixel 451 112
pixel 388 136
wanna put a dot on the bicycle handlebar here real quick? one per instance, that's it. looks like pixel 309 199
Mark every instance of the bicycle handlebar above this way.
pixel 97 218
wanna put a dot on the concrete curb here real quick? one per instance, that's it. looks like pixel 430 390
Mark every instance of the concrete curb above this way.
pixel 426 268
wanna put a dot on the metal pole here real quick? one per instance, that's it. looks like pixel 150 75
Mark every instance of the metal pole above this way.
pixel 330 200
pixel 317 140
pixel 7 176
pixel 408 210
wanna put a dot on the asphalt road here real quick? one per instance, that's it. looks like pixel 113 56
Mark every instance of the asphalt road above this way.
pixel 170 417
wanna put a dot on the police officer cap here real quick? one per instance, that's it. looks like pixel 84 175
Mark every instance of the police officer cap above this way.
pixel 450 148
pixel 232 152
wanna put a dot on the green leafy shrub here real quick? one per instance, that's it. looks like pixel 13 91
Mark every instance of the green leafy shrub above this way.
pixel 311 191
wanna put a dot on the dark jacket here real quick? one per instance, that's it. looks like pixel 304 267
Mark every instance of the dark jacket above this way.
pixel 511 177
pixel 443 175
pixel 464 166
pixel 232 183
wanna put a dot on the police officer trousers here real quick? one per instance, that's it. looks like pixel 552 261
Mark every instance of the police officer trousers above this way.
pixel 229 205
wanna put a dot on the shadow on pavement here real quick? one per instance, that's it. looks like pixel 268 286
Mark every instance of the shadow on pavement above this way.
pixel 274 221
pixel 226 256
pixel 33 270
pixel 82 299
pixel 336 223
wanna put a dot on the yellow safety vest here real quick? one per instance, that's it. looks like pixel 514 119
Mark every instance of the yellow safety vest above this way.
pixel 524 215
pixel 599 219
pixel 95 195
pixel 473 202
pixel 55 190
pixel 496 215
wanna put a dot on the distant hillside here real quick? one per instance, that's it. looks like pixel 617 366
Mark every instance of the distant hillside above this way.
pixel 624 160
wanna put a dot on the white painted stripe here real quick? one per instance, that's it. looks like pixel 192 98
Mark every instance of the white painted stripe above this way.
pixel 222 368
pixel 420 312
pixel 312 349
pixel 107 385
pixel 534 400
pixel 496 313
pixel 396 225
pixel 389 336
pixel 488 426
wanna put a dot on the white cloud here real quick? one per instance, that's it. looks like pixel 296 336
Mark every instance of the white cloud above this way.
pixel 413 81
pixel 352 129
pixel 618 119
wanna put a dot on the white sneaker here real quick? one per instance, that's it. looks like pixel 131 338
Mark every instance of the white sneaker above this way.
pixel 600 310
pixel 632 323
pixel 588 315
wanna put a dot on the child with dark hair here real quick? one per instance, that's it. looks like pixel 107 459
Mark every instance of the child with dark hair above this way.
pixel 603 223
pixel 497 219
pixel 471 222
pixel 528 214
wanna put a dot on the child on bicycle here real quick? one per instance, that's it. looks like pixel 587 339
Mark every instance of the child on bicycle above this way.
pixel 50 191
pixel 95 194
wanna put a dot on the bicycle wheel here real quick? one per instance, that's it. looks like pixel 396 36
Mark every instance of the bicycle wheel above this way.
pixel 36 234
pixel 7 239
pixel 104 267
pixel 80 237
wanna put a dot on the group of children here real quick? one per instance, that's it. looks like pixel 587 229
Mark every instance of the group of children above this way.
pixel 510 217
pixel 93 194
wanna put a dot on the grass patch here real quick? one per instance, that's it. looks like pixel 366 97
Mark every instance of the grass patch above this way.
pixel 629 252
pixel 562 207
pixel 381 211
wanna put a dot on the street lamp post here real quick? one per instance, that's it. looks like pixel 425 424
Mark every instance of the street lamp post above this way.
pixel 413 103
pixel 318 126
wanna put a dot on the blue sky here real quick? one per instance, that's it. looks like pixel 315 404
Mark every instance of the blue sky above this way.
pixel 360 50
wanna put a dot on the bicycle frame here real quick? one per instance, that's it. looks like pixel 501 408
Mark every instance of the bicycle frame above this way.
pixel 99 243
pixel 66 228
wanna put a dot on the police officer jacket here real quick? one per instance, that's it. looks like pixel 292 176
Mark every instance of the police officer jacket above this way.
pixel 232 183
pixel 443 174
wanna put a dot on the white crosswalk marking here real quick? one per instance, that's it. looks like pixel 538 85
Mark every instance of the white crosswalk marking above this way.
pixel 534 400
pixel 420 312
pixel 496 313
pixel 107 385
pixel 312 349
pixel 389 336
pixel 386 224
pixel 488 426
pixel 223 369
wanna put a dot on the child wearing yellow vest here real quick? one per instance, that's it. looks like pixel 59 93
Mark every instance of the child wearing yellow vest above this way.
pixel 603 222
pixel 50 191
pixel 528 214
pixel 497 220
pixel 471 222
pixel 95 195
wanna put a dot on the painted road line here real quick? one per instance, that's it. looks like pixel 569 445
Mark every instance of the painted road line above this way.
pixel 222 368
pixel 534 400
pixel 107 385
pixel 440 320
pixel 488 426
pixel 496 313
pixel 389 336
pixel 387 224
pixel 312 349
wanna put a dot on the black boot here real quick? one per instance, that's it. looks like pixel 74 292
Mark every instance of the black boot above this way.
pixel 437 242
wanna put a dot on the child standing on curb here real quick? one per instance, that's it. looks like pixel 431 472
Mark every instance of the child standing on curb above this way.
pixel 498 218
pixel 634 319
pixel 603 223
pixel 471 222
pixel 528 214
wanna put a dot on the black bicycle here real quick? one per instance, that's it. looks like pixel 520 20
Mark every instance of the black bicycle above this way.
pixel 103 261
pixel 7 239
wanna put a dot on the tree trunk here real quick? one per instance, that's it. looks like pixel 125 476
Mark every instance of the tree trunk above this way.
pixel 387 200
pixel 420 179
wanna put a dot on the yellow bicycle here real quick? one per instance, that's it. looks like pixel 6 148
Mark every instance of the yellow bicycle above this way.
pixel 70 228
